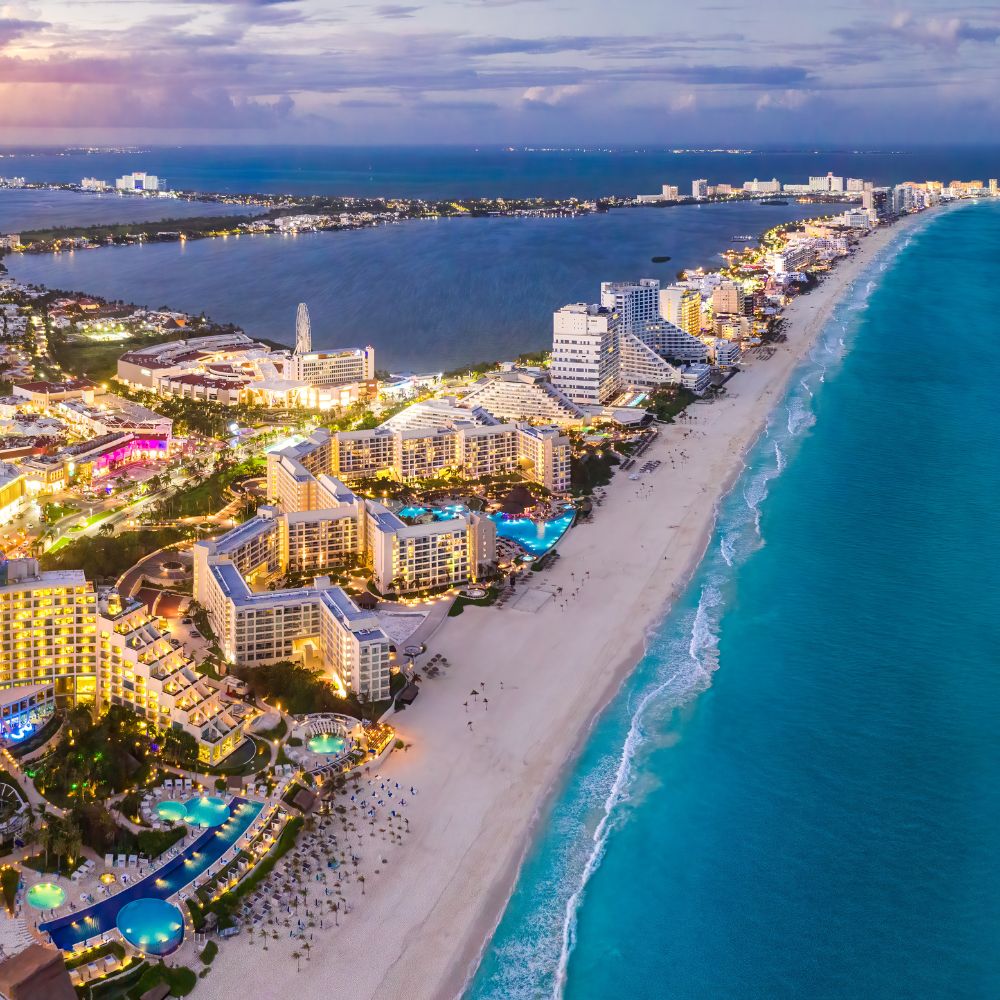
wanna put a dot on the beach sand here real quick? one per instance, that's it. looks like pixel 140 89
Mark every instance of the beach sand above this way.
pixel 424 919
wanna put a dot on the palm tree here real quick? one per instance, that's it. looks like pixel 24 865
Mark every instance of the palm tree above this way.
pixel 361 879
pixel 46 837
pixel 297 956
pixel 474 695
pixel 486 704
pixel 73 840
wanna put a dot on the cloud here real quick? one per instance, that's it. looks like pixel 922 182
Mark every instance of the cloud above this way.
pixel 23 104
pixel 767 76
pixel 906 28
pixel 489 64
pixel 395 11
pixel 786 100
pixel 550 97
pixel 13 27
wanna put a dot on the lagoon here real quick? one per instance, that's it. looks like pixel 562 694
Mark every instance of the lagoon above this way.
pixel 427 295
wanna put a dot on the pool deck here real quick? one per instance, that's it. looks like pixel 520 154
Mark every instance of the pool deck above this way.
pixel 97 920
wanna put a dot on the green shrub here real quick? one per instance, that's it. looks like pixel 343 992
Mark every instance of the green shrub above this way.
pixel 208 955
pixel 9 880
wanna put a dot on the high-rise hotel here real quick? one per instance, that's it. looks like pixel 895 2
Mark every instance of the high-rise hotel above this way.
pixel 62 644
pixel 639 337
pixel 48 630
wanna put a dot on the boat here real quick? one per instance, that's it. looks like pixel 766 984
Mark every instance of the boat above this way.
pixel 773 201
pixel 659 260
pixel 742 239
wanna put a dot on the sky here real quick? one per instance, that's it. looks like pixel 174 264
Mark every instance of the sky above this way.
pixel 708 72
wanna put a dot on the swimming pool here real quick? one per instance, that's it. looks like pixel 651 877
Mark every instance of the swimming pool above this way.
pixel 172 812
pixel 45 896
pixel 536 537
pixel 206 810
pixel 66 932
pixel 154 926
pixel 327 743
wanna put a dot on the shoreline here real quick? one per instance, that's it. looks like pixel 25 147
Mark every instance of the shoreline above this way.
pixel 624 671
pixel 486 778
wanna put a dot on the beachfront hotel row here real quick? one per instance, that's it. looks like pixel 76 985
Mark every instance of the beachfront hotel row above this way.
pixel 58 638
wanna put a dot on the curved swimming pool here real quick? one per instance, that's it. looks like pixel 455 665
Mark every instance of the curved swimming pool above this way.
pixel 536 537
pixel 206 811
pixel 68 931
pixel 172 812
pixel 45 896
pixel 154 926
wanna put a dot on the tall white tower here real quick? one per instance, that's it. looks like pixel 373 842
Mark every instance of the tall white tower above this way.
pixel 303 330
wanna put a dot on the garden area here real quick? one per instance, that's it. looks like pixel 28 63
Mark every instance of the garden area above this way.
pixel 301 691
pixel 670 400
pixel 106 557
pixel 590 468
pixel 208 494
pixel 98 759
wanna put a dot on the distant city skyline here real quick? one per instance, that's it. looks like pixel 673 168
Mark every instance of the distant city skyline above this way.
pixel 517 71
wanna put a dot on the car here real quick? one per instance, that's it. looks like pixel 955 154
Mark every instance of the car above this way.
pixel 185 621
pixel 195 634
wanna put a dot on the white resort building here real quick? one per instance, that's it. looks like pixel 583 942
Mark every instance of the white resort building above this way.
pixel 232 369
pixel 523 394
pixel 596 356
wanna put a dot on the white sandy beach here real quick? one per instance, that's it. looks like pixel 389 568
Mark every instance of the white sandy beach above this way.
pixel 422 923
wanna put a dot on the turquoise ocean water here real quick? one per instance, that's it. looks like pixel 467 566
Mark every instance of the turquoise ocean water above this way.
pixel 795 793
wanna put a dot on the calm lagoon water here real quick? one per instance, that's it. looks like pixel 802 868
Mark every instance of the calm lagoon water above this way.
pixel 795 793
pixel 23 208
pixel 425 294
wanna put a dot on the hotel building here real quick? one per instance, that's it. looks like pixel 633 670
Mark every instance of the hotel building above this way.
pixel 682 307
pixel 320 524
pixel 48 630
pixel 473 450
pixel 523 394
pixel 319 626
pixel 334 367
pixel 594 356
pixel 636 303
pixel 729 297
pixel 145 671
pixel 231 368
pixel 795 255
pixel 584 353
pixel 62 644
pixel 140 182
pixel 13 490
pixel 672 342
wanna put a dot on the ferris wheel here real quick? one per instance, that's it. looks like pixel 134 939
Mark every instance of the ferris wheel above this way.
pixel 12 807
